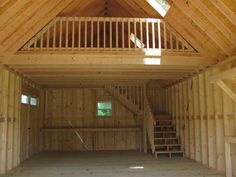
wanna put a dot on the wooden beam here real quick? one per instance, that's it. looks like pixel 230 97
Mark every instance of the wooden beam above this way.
pixel 35 26
pixel 226 89
pixel 105 58
pixel 88 129
pixel 224 75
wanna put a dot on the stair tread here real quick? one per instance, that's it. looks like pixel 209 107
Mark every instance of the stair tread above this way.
pixel 161 145
pixel 164 126
pixel 166 131
pixel 167 152
pixel 168 138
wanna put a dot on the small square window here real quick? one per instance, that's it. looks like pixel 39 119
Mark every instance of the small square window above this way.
pixel 104 109
pixel 24 99
pixel 33 101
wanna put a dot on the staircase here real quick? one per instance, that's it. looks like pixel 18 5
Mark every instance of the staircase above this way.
pixel 129 96
pixel 166 141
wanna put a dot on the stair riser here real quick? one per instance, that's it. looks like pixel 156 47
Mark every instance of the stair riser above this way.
pixel 164 135
pixel 166 141
pixel 170 148
pixel 164 128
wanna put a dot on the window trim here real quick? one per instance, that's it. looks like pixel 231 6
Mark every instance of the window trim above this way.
pixel 102 101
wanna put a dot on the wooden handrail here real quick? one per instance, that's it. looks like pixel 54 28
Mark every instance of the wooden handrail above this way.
pixel 150 123
pixel 108 33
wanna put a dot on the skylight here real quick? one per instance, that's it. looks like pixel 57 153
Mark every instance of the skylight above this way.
pixel 161 6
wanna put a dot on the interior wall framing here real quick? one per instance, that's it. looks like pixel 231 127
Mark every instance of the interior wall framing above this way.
pixel 204 116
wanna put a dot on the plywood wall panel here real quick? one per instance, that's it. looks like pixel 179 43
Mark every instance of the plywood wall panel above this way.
pixel 78 106
pixel 9 120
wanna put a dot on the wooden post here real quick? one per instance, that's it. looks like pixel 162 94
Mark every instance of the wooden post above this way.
pixel 4 135
pixel 144 124
pixel 228 162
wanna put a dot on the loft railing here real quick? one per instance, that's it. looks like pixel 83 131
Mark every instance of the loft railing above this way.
pixel 105 33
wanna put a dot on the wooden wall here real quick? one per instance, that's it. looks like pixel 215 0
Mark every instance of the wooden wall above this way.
pixel 78 106
pixel 10 89
pixel 156 97
pixel 30 123
pixel 204 115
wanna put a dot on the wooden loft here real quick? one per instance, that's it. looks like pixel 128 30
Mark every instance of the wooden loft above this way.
pixel 176 43
pixel 156 76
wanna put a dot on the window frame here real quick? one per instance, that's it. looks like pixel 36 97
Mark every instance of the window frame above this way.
pixel 28 98
pixel 104 101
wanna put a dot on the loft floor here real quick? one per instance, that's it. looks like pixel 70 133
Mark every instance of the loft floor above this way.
pixel 107 164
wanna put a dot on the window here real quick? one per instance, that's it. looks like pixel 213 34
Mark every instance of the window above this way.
pixel 33 101
pixel 24 99
pixel 161 6
pixel 104 109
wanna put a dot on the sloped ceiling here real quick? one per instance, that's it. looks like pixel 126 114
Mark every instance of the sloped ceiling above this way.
pixel 208 25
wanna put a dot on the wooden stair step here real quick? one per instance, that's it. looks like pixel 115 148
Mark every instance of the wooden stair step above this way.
pixel 170 145
pixel 167 152
pixel 168 138
pixel 167 131
pixel 170 153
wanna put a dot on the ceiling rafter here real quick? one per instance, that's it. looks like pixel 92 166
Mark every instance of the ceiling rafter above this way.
pixel 191 12
pixel 215 21
pixel 202 44
pixel 222 7
pixel 51 9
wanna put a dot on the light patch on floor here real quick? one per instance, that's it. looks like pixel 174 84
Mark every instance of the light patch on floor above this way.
pixel 109 164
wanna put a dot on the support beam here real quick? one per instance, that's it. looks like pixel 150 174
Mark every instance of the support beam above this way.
pixel 224 75
pixel 106 58
pixel 227 90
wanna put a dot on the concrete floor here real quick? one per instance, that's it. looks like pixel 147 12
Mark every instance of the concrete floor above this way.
pixel 109 164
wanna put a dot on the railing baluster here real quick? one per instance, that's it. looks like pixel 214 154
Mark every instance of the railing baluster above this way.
pixel 98 33
pixel 117 32
pixel 159 35
pixel 141 33
pixel 48 36
pixel 79 33
pixel 177 42
pixel 147 35
pixel 171 41
pixel 104 33
pixel 110 21
pixel 91 33
pixel 54 35
pixel 165 40
pixel 129 33
pixel 135 34
pixel 41 40
pixel 60 38
pixel 123 35
pixel 153 35
pixel 73 33
pixel 86 32
pixel 67 32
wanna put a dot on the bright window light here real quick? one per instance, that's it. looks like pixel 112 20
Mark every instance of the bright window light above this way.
pixel 136 41
pixel 152 61
pixel 24 99
pixel 155 52
pixel 33 101
pixel 161 6
pixel 137 167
